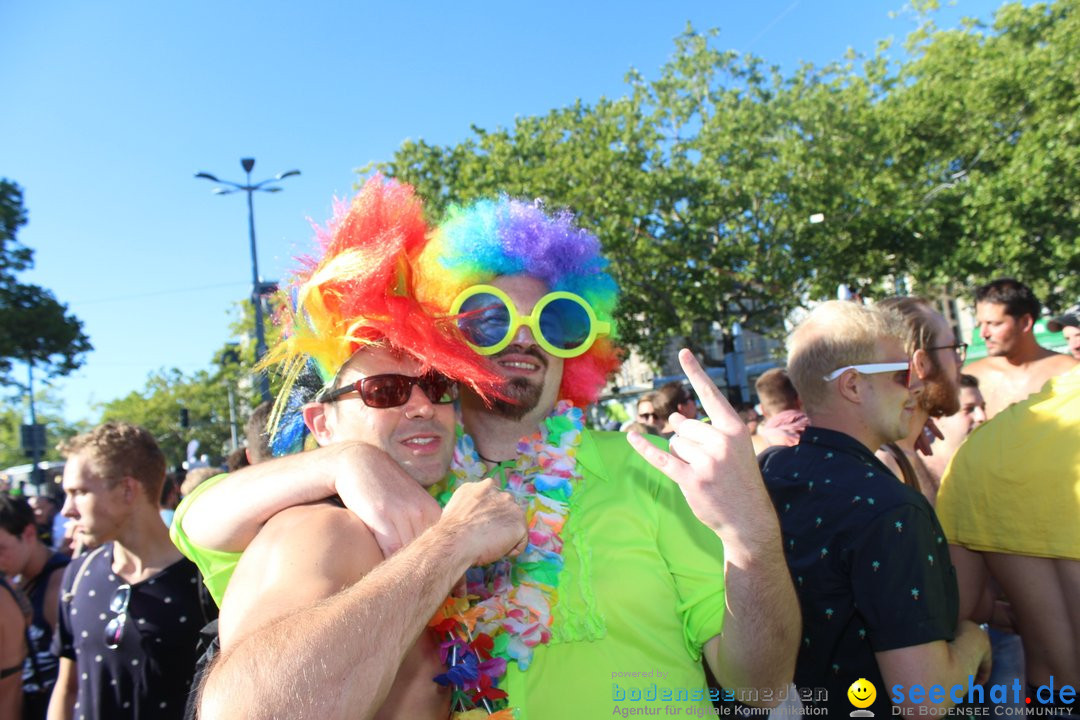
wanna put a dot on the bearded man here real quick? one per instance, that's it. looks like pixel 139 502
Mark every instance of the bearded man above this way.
pixel 938 368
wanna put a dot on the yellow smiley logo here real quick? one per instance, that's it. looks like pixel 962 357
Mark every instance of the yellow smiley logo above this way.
pixel 862 693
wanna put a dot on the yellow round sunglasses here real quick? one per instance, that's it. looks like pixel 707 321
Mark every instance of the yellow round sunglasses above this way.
pixel 562 323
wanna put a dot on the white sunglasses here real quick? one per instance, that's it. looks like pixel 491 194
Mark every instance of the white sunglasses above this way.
pixel 874 369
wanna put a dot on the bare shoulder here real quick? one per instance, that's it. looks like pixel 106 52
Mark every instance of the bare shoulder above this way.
pixel 319 539
pixel 302 555
pixel 1059 363
pixel 983 368
pixel 12 629
pixel 11 614
pixel 1046 368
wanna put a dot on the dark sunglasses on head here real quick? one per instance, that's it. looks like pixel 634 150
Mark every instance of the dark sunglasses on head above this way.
pixel 114 629
pixel 392 390
pixel 959 348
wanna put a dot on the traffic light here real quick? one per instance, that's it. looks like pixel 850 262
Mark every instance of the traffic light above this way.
pixel 185 418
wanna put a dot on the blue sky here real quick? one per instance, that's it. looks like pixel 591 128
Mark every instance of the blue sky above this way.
pixel 110 108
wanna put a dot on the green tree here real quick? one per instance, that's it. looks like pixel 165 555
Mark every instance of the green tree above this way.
pixel 157 407
pixel 988 128
pixel 34 326
pixel 958 164
pixel 236 358
pixel 699 184
pixel 49 413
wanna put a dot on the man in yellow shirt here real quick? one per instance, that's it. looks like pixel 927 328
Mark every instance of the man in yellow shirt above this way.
pixel 1010 506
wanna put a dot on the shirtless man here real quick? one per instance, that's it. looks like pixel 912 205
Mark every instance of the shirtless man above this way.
pixel 14 619
pixel 314 592
pixel 938 367
pixel 1016 366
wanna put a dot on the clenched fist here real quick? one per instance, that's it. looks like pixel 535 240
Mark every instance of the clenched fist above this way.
pixel 486 520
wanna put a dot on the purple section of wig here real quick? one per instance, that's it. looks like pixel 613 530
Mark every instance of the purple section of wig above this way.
pixel 550 248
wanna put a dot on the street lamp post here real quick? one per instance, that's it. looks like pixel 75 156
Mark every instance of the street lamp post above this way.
pixel 231 356
pixel 258 287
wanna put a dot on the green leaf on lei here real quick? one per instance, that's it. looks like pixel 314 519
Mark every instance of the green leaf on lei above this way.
pixel 556 426
pixel 539 572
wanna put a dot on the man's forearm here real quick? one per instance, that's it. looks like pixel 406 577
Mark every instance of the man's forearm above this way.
pixel 938 662
pixel 338 659
pixel 967 653
pixel 762 621
pixel 228 515
pixel 62 701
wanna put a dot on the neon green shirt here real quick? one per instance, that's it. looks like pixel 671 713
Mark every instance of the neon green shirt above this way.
pixel 641 592
pixel 216 567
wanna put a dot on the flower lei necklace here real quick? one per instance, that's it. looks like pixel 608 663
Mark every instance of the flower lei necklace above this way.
pixel 508 608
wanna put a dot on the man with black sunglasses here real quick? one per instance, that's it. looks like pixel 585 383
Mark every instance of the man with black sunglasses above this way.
pixel 325 615
pixel 871 565
pixel 130 610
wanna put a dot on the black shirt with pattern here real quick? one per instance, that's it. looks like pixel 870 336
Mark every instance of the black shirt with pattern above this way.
pixel 148 675
pixel 869 559
pixel 41 665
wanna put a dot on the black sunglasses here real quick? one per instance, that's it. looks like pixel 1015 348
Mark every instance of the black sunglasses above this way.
pixel 392 390
pixel 114 629
pixel 959 348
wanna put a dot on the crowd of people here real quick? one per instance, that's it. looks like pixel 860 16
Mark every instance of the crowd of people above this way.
pixel 423 526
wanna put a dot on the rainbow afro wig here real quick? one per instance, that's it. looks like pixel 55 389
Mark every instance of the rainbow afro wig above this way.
pixel 358 292
pixel 489 238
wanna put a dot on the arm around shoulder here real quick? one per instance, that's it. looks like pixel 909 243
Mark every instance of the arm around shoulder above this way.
pixel 226 515
pixel 281 668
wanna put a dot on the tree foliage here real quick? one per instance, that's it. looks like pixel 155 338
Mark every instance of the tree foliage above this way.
pixel 989 122
pixel 34 326
pixel 958 164
pixel 157 407
pixel 952 167
pixel 49 409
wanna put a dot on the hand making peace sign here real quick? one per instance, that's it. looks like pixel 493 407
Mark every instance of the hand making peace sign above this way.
pixel 714 465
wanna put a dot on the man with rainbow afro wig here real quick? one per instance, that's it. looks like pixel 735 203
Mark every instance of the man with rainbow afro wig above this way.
pixel 389 368
pixel 648 580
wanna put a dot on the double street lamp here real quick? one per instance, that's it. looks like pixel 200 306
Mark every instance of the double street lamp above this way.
pixel 259 288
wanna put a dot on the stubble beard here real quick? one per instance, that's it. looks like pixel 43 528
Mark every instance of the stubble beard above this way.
pixel 523 394
pixel 941 396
